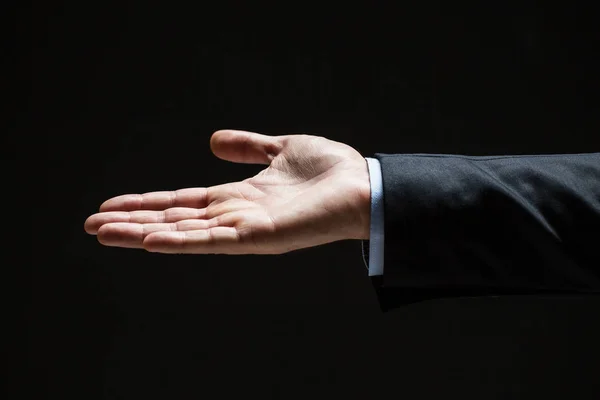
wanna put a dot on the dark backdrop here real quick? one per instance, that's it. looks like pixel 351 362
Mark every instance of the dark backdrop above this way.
pixel 123 98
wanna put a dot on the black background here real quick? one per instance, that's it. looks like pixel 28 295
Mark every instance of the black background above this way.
pixel 123 98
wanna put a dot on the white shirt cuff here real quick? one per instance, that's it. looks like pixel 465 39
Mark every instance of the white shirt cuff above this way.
pixel 376 241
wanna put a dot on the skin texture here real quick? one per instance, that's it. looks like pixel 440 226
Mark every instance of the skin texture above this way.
pixel 313 191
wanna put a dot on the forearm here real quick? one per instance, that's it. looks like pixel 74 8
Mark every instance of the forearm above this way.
pixel 512 222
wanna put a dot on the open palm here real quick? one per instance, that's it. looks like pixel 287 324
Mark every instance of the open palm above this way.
pixel 314 191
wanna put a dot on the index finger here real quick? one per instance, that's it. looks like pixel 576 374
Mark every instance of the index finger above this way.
pixel 190 197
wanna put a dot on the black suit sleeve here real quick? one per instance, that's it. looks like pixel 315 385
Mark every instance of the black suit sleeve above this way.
pixel 475 226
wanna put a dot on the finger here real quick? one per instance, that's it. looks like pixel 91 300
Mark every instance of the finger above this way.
pixel 94 222
pixel 217 240
pixel 132 235
pixel 245 147
pixel 191 197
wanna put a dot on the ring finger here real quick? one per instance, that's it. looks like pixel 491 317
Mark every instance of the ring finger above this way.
pixel 132 235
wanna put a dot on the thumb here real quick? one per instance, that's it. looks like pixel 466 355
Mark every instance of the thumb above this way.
pixel 245 147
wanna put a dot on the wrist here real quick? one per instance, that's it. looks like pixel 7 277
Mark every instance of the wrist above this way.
pixel 364 201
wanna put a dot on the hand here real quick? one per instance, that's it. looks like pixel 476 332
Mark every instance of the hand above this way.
pixel 314 191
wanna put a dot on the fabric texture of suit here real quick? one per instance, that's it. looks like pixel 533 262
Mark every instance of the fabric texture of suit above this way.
pixel 488 225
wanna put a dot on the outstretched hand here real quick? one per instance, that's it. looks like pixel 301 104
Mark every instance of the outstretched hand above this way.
pixel 314 191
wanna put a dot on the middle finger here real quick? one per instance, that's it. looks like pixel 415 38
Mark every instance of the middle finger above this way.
pixel 94 222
